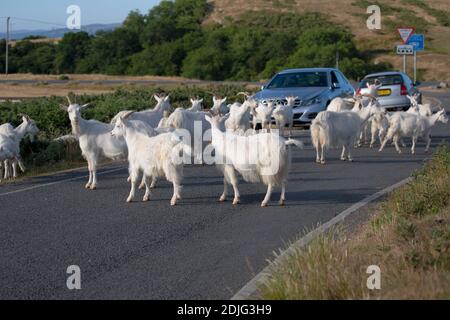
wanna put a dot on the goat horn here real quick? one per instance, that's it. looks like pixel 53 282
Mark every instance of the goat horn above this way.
pixel 246 94
pixel 127 114
pixel 68 99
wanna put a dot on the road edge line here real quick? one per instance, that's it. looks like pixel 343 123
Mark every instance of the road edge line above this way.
pixel 248 291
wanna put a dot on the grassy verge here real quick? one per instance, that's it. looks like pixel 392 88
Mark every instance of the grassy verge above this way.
pixel 408 238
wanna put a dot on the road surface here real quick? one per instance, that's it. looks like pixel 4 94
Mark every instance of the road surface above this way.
pixel 200 249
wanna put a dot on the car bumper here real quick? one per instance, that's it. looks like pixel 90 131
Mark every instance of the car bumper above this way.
pixel 305 115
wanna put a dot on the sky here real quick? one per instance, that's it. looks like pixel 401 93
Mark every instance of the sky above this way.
pixel 53 12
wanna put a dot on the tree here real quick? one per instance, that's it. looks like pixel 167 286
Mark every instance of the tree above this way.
pixel 73 47
pixel 208 63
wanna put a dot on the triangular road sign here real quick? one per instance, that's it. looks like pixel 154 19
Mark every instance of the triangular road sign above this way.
pixel 406 33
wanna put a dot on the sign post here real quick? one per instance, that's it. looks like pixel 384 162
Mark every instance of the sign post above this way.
pixel 405 33
pixel 418 43
pixel 404 50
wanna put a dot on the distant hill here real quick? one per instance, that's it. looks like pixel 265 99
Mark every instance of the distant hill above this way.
pixel 58 33
pixel 429 17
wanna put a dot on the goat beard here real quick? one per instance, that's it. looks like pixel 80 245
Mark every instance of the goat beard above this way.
pixel 75 127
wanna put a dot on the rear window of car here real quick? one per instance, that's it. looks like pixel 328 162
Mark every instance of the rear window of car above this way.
pixel 390 80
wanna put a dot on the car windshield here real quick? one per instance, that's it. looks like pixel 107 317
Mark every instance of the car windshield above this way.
pixel 388 80
pixel 298 80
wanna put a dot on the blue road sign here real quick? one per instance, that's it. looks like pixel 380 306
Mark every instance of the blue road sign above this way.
pixel 417 41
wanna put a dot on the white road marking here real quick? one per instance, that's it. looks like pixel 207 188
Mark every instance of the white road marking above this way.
pixel 56 182
pixel 250 290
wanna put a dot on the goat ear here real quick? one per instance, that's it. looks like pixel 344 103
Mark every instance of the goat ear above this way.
pixel 166 98
pixel 208 118
pixel 201 100
pixel 224 100
pixel 84 106
pixel 157 98
pixel 63 107
pixel 192 101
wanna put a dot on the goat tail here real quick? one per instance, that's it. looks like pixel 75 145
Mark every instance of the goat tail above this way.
pixel 320 131
pixel 295 142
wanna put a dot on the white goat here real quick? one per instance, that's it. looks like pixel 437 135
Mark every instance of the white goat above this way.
pixel 6 154
pixel 335 129
pixel 284 115
pixel 404 124
pixel 152 117
pixel 263 114
pixel 196 105
pixel 195 125
pixel 239 116
pixel 163 122
pixel 220 106
pixel 339 104
pixel 258 158
pixel 416 108
pixel 379 124
pixel 28 126
pixel 95 140
pixel 155 156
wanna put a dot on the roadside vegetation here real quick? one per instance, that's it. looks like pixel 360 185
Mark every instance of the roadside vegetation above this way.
pixel 172 40
pixel 408 238
pixel 47 155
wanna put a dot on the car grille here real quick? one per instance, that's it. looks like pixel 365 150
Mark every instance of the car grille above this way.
pixel 297 116
pixel 297 103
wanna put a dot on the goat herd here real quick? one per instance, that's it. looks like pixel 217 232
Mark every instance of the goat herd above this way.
pixel 158 145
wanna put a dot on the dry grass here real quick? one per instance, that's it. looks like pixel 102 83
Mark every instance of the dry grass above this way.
pixel 90 77
pixel 46 90
pixel 409 239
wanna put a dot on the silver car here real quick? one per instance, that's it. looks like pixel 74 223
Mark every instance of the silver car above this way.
pixel 314 87
pixel 395 86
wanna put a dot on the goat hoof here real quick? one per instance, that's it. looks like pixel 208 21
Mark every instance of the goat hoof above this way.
pixel 281 202
pixel 350 160
pixel 141 187
pixel 322 162
pixel 88 186
pixel 236 201
pixel 222 199
pixel 173 203
pixel 93 187
pixel 263 205
pixel 129 200
pixel 146 198
pixel 343 159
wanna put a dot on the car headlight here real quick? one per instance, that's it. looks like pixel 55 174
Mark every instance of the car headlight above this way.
pixel 310 102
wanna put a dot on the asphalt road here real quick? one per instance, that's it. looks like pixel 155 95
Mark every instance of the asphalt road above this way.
pixel 200 249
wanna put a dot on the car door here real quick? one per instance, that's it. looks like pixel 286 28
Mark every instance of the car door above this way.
pixel 337 86
pixel 346 85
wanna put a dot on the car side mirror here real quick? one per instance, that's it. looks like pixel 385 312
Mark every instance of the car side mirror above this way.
pixel 336 85
pixel 418 83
